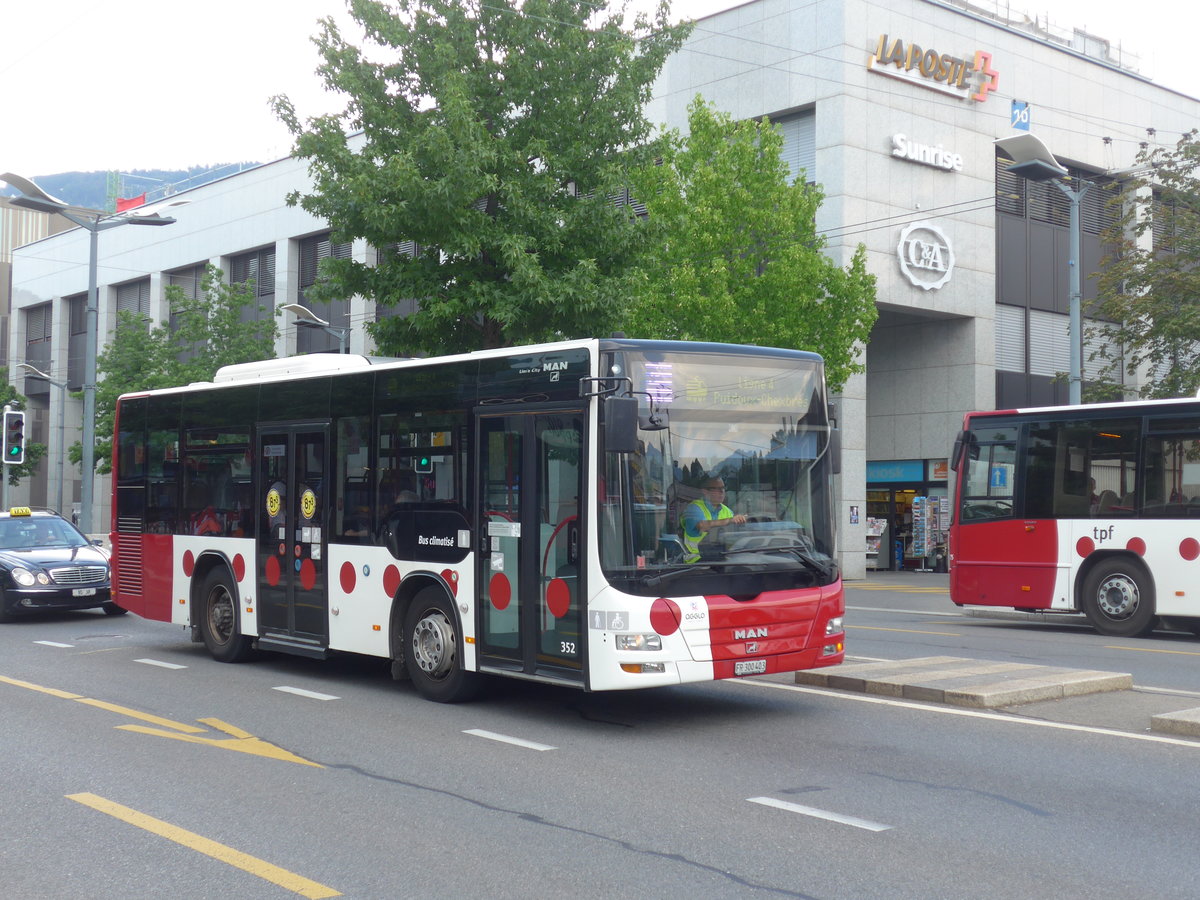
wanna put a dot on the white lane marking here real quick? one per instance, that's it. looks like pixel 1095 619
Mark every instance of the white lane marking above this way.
pixel 160 664
pixel 301 692
pixel 865 824
pixel 53 644
pixel 504 738
pixel 977 714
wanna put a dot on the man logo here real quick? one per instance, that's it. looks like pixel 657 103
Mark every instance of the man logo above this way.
pixel 926 257
pixel 740 634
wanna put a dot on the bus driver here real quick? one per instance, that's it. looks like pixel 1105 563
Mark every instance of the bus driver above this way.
pixel 705 514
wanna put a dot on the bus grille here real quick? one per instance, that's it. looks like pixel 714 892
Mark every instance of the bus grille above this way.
pixel 80 575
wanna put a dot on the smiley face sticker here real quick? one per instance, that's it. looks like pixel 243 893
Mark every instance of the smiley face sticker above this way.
pixel 273 503
pixel 308 504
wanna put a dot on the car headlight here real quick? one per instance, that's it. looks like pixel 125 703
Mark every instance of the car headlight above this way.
pixel 638 642
pixel 24 577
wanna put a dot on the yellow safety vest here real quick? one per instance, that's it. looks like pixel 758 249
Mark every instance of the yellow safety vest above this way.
pixel 691 544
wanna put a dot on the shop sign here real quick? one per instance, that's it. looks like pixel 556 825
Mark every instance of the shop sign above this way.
pixel 939 157
pixel 926 257
pixel 939 469
pixel 967 77
pixel 893 470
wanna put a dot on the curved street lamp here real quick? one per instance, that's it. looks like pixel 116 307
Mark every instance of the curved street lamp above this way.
pixel 1033 161
pixel 95 221
pixel 305 316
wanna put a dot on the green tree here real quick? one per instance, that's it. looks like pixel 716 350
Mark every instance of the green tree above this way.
pixel 736 255
pixel 218 328
pixel 1149 290
pixel 34 452
pixel 495 135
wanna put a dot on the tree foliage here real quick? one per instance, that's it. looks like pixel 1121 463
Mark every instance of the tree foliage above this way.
pixel 1149 290
pixel 736 255
pixel 495 136
pixel 212 330
pixel 34 452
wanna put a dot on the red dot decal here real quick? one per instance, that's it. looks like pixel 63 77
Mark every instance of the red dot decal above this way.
pixel 1137 545
pixel 189 563
pixel 558 598
pixel 272 570
pixel 391 580
pixel 348 577
pixel 1084 546
pixel 451 578
pixel 500 591
pixel 308 574
pixel 664 616
pixel 1189 548
pixel 239 567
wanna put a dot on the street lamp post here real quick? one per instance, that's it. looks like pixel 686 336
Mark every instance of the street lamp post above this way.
pixel 1033 161
pixel 95 221
pixel 35 372
pixel 305 316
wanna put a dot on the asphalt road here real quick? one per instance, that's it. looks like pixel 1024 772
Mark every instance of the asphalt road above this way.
pixel 138 767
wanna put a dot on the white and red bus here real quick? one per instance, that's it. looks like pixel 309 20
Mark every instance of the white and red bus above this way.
pixel 514 512
pixel 1092 509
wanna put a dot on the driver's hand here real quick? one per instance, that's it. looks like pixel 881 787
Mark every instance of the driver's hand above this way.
pixel 739 519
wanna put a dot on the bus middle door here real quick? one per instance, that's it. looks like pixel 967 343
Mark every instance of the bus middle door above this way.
pixel 293 596
pixel 531 561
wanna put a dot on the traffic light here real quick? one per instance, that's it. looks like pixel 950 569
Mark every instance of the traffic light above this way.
pixel 14 437
pixel 424 464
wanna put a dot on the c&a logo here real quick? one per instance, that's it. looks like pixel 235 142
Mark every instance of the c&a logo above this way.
pixel 926 257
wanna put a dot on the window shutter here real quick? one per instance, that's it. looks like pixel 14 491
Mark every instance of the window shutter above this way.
pixel 800 144
pixel 1049 343
pixel 1010 338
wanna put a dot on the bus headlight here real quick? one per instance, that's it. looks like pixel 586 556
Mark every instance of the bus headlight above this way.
pixel 638 642
pixel 834 625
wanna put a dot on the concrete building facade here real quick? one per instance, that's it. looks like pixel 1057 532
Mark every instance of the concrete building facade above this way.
pixel 891 106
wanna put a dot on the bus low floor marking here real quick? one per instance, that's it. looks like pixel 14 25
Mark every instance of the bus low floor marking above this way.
pixel 290 881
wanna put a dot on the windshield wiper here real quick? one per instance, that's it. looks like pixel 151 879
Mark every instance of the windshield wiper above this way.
pixel 672 574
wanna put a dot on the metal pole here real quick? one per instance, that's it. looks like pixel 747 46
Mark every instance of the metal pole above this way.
pixel 1075 383
pixel 62 442
pixel 86 525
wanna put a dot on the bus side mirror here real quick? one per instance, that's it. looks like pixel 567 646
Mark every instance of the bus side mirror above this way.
pixel 620 424
pixel 835 452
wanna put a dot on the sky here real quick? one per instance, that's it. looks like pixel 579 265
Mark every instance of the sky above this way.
pixel 158 84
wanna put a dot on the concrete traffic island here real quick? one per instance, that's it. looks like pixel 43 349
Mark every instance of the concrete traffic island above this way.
pixel 967 682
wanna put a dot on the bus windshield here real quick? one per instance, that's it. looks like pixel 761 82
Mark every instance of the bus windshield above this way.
pixel 756 427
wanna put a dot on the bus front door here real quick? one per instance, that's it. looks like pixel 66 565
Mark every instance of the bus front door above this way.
pixel 293 599
pixel 531 561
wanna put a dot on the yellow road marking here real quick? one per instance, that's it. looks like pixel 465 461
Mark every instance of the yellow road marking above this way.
pixel 138 714
pixel 853 586
pixel 1151 650
pixel 298 884
pixel 239 740
pixel 902 630
pixel 53 692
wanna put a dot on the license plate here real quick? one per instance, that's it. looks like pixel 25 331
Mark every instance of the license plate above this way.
pixel 83 592
pixel 750 667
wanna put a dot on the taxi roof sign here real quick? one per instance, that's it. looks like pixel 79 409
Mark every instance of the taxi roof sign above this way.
pixel 20 511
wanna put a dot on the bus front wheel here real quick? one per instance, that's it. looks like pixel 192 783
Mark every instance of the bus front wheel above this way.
pixel 1118 598
pixel 431 650
pixel 219 619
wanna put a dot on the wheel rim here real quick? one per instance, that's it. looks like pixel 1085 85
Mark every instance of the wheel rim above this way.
pixel 1117 596
pixel 220 614
pixel 433 644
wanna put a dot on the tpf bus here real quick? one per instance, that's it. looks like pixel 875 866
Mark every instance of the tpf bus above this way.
pixel 514 512
pixel 1092 509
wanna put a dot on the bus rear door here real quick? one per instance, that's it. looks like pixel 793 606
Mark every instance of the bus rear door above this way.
pixel 530 483
pixel 293 598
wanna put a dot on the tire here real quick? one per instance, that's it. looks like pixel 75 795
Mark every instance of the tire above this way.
pixel 111 609
pixel 219 626
pixel 431 650
pixel 1118 598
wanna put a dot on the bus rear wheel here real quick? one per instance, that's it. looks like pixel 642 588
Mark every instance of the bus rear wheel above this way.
pixel 219 619
pixel 1118 598
pixel 431 650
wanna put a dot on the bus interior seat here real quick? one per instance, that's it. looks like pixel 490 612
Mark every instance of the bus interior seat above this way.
pixel 1108 499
